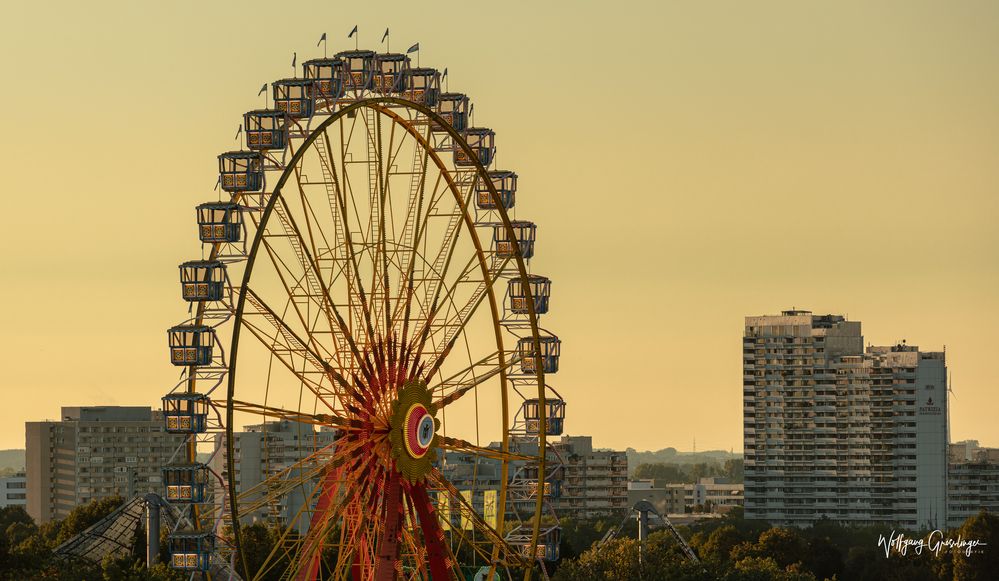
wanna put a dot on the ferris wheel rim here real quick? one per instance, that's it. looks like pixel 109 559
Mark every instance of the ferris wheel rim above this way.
pixel 383 105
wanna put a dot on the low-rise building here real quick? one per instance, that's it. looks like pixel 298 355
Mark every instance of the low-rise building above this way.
pixel 972 481
pixel 13 490
pixel 707 495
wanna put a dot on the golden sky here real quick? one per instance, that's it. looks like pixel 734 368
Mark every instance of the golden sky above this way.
pixel 688 163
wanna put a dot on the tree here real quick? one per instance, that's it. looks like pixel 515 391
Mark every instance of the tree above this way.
pixel 717 546
pixel 766 569
pixel 84 516
pixel 983 562
pixel 784 546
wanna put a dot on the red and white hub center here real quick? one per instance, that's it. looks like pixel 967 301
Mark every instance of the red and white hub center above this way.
pixel 419 430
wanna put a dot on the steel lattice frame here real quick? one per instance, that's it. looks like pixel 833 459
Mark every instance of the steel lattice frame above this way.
pixel 351 348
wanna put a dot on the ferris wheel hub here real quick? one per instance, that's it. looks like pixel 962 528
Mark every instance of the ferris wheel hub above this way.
pixel 413 431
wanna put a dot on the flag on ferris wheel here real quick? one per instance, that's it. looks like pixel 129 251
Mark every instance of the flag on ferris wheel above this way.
pixel 321 39
pixel 444 76
pixel 413 48
pixel 384 36
pixel 262 89
pixel 352 32
pixel 294 59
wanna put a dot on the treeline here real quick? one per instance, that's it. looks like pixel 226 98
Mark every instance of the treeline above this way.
pixel 732 549
pixel 673 473
pixel 673 456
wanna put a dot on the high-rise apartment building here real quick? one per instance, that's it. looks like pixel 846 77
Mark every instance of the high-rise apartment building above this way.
pixel 93 453
pixel 834 430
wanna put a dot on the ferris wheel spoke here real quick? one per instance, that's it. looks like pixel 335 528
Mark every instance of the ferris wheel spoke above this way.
pixel 280 269
pixel 293 348
pixel 324 291
pixel 459 445
pixel 437 480
pixel 324 420
pixel 458 384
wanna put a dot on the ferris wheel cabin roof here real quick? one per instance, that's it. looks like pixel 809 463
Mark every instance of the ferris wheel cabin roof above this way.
pixel 295 82
pixel 323 62
pixel 186 396
pixel 391 56
pixel 267 113
pixel 502 173
pixel 202 264
pixel 189 329
pixel 239 154
pixel 353 54
pixel 218 206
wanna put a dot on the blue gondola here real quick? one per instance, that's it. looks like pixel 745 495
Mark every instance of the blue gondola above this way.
pixel 453 107
pixel 191 344
pixel 524 233
pixel 327 76
pixel 551 348
pixel 220 222
pixel 295 97
pixel 185 413
pixel 505 184
pixel 540 287
pixel 482 142
pixel 191 550
pixel 265 129
pixel 241 171
pixel 552 488
pixel 422 86
pixel 358 69
pixel 549 538
pixel 185 483
pixel 390 70
pixel 554 415
pixel 202 280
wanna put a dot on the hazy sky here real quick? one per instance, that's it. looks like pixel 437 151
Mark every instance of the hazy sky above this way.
pixel 688 163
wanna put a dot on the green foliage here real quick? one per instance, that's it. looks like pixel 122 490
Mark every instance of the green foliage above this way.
pixel 983 563
pixel 733 549
pixel 26 550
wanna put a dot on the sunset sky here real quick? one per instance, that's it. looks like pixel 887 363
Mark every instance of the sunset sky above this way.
pixel 688 164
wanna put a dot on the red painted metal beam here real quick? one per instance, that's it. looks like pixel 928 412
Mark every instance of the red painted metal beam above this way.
pixel 433 536
pixel 388 544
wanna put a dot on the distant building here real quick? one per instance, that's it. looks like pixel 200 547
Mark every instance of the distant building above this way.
pixel 709 495
pixel 13 490
pixel 274 475
pixel 93 453
pixel 833 431
pixel 596 480
pixel 973 481
pixel 590 482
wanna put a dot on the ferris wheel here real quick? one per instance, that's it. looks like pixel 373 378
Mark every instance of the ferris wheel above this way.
pixel 365 308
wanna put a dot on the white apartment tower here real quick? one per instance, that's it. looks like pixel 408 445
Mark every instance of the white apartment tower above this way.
pixel 832 430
